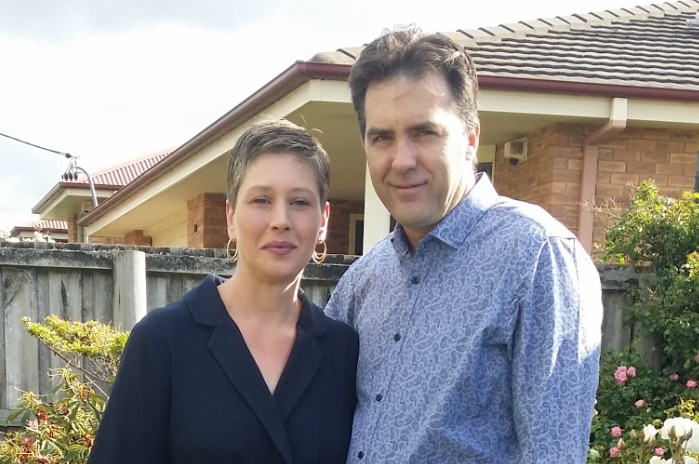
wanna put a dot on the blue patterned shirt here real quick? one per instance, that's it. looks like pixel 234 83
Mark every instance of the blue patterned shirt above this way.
pixel 482 346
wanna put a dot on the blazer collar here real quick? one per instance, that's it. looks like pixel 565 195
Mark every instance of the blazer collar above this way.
pixel 227 345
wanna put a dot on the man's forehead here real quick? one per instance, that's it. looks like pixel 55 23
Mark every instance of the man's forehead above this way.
pixel 402 84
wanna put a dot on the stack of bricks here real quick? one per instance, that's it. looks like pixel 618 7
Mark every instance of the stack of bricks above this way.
pixel 136 237
pixel 206 221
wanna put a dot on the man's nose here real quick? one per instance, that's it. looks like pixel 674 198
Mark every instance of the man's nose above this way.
pixel 404 155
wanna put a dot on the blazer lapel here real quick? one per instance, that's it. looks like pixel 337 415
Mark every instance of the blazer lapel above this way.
pixel 304 361
pixel 231 352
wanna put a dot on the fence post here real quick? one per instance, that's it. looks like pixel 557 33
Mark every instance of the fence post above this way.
pixel 129 288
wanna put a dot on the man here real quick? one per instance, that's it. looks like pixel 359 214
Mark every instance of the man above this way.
pixel 479 317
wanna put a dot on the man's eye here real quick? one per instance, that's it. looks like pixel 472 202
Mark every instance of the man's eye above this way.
pixel 300 202
pixel 380 138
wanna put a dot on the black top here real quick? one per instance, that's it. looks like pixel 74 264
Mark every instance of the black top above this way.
pixel 189 391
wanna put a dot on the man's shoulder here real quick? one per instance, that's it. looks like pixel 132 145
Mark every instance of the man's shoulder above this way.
pixel 375 257
pixel 519 217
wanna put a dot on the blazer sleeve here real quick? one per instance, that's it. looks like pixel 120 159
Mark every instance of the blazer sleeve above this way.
pixel 135 424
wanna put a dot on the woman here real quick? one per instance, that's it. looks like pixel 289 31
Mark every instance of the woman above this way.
pixel 244 370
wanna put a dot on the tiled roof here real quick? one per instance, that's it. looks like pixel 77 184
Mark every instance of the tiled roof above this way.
pixel 125 173
pixel 44 224
pixel 651 46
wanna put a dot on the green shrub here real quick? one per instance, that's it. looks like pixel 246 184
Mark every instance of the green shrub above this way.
pixel 61 429
pixel 658 235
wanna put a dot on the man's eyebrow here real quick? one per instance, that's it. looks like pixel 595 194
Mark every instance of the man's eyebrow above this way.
pixel 373 131
pixel 426 125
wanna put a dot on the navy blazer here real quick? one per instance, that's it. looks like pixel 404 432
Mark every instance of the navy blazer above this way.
pixel 189 391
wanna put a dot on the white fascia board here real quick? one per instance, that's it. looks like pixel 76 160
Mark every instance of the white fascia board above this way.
pixel 543 104
pixel 664 111
pixel 587 107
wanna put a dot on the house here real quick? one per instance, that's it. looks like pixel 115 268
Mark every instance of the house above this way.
pixel 573 110
pixel 75 195
pixel 54 230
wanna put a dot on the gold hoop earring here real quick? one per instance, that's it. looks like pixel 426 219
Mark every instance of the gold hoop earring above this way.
pixel 233 257
pixel 320 257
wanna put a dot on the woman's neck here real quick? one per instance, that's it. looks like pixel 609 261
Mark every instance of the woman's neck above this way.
pixel 252 301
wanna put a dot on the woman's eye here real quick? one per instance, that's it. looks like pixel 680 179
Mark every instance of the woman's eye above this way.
pixel 260 201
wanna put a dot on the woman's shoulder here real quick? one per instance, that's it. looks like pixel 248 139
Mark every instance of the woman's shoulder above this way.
pixel 332 328
pixel 163 321
pixel 181 312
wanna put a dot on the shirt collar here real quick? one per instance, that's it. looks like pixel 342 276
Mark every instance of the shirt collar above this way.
pixel 459 222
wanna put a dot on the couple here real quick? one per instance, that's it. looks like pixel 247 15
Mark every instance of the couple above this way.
pixel 478 317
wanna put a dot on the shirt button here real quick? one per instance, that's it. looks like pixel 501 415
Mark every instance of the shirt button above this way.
pixel 360 455
pixel 396 337
pixel 414 280
pixel 379 397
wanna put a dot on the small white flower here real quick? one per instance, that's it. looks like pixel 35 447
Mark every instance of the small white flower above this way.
pixel 649 432
pixel 679 426
pixel 692 443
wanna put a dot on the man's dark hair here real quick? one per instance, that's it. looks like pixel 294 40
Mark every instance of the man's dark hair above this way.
pixel 411 53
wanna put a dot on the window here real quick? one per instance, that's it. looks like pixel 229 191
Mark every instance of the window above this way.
pixel 356 234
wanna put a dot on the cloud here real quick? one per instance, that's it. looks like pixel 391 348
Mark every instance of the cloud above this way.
pixel 63 21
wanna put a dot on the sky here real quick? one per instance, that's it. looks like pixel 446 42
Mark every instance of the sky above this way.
pixel 111 81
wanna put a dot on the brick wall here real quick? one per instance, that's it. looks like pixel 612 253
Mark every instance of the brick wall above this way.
pixel 73 229
pixel 338 230
pixel 668 157
pixel 136 237
pixel 551 175
pixel 206 221
pixel 107 240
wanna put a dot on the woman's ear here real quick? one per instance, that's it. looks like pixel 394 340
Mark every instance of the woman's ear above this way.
pixel 324 219
pixel 230 224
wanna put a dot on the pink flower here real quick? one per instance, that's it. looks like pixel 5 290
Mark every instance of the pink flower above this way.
pixel 639 404
pixel 631 371
pixel 673 377
pixel 659 451
pixel 691 383
pixel 614 451
pixel 620 375
pixel 616 432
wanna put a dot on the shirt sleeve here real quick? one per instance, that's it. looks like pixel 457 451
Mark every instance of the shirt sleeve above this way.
pixel 134 427
pixel 341 304
pixel 555 368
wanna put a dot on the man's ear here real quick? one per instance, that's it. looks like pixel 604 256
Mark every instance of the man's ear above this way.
pixel 474 134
